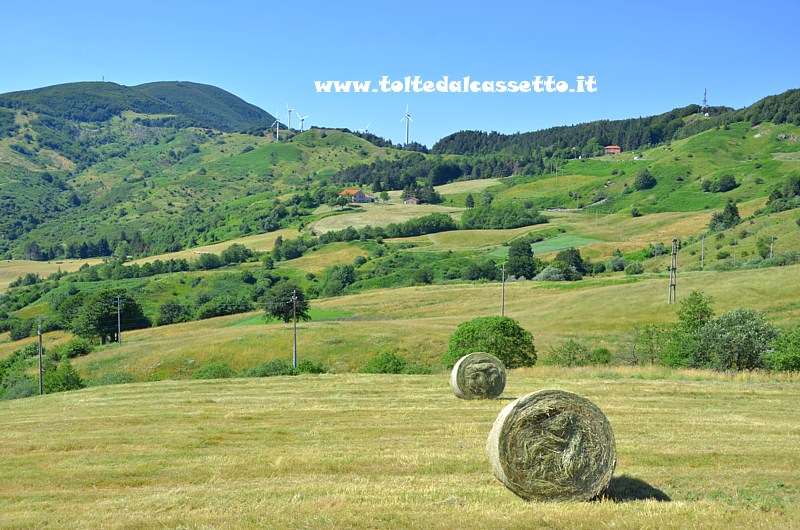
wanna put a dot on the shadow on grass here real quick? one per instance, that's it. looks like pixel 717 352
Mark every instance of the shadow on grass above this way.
pixel 626 489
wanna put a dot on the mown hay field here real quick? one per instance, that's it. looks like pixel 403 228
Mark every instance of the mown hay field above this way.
pixel 378 451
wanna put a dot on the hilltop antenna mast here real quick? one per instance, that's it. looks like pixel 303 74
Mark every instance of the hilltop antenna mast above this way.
pixel 673 273
pixel 705 98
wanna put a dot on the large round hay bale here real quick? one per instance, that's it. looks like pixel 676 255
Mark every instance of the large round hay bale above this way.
pixel 553 445
pixel 478 375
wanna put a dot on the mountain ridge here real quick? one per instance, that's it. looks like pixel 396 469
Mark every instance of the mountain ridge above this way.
pixel 189 103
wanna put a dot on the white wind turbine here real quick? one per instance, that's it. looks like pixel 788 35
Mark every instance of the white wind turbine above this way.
pixel 288 116
pixel 302 119
pixel 408 119
pixel 277 125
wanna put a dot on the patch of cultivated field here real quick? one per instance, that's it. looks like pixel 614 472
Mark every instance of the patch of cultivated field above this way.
pixel 416 322
pixel 379 214
pixel 468 239
pixel 372 451
pixel 257 242
pixel 10 270
pixel 467 186
pixel 552 186
pixel 327 256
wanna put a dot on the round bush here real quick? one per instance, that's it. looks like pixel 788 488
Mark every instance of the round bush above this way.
pixel 502 337
pixel 214 371
pixel 385 363
pixel 271 368
pixel 309 367
pixel 634 268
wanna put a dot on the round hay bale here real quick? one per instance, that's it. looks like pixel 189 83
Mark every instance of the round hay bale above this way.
pixel 553 445
pixel 478 375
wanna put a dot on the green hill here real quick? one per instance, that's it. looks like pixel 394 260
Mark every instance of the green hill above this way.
pixel 186 104
pixel 634 133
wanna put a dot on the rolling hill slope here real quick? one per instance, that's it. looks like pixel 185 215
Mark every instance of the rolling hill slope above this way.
pixel 184 104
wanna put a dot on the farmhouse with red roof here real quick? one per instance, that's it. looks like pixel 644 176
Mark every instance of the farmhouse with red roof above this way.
pixel 356 196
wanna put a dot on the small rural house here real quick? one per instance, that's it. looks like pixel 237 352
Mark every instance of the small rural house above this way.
pixel 411 200
pixel 612 150
pixel 356 196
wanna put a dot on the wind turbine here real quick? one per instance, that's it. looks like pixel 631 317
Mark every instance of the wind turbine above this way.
pixel 289 117
pixel 302 119
pixel 408 119
pixel 277 125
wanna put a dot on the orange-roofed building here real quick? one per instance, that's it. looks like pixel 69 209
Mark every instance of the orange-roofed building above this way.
pixel 612 150
pixel 356 196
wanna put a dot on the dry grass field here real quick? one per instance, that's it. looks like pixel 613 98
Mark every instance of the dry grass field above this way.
pixel 379 214
pixel 417 322
pixel 257 242
pixel 694 450
pixel 10 270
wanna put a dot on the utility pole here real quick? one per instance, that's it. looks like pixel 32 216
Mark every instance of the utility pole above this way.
pixel 294 317
pixel 771 246
pixel 39 332
pixel 118 303
pixel 703 253
pixel 673 273
pixel 503 292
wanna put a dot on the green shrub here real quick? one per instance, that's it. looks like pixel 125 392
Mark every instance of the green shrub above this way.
pixel 634 268
pixel 20 385
pixel 644 180
pixel 786 353
pixel 503 337
pixel 20 329
pixel 549 274
pixel 575 353
pixel 74 348
pixel 63 378
pixel 310 367
pixel 270 368
pixel 112 378
pixel 385 363
pixel 214 371
pixel 737 340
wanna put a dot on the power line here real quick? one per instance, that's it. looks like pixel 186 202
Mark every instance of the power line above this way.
pixel 118 303
pixel 673 273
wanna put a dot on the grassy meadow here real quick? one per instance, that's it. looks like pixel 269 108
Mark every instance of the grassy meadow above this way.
pixel 416 322
pixel 11 270
pixel 378 451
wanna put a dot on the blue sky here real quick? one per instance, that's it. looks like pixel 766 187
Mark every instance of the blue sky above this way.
pixel 646 58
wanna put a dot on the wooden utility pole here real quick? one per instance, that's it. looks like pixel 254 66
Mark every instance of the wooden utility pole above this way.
pixel 503 292
pixel 119 320
pixel 294 317
pixel 39 332
pixel 703 253
pixel 673 273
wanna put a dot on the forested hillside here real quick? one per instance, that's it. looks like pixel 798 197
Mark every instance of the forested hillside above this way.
pixel 186 104
pixel 587 139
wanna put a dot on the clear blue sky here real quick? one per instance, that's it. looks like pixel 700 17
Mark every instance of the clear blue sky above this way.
pixel 647 59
